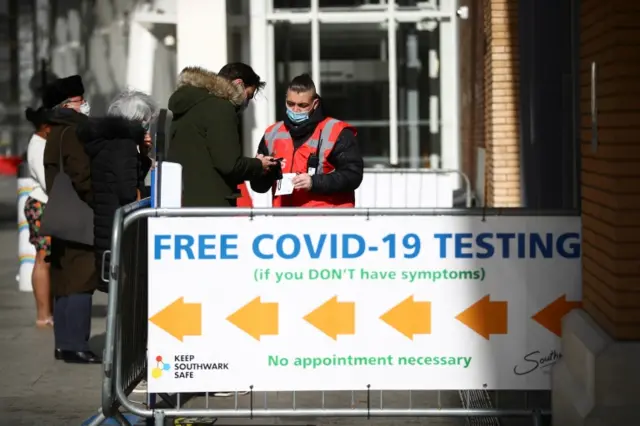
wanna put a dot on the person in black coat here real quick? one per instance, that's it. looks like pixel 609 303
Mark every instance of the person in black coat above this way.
pixel 118 147
pixel 72 267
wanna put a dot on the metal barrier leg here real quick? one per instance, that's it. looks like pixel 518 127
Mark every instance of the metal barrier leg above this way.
pixel 158 416
pixel 168 399
pixel 121 419
pixel 151 403
pixel 98 420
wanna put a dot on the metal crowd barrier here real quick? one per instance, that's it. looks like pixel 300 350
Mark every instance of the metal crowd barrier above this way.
pixel 127 304
pixel 405 188
pixel 413 188
pixel 125 357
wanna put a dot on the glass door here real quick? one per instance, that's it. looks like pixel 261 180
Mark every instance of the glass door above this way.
pixel 388 67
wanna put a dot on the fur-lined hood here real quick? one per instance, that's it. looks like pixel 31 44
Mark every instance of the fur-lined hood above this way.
pixel 214 84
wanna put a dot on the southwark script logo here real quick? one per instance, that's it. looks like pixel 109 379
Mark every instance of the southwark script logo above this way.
pixel 159 368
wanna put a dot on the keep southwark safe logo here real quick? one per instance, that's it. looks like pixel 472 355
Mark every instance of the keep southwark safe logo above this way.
pixel 185 367
pixel 161 366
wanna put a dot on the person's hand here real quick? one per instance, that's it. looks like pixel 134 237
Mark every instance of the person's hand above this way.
pixel 302 181
pixel 267 162
pixel 146 146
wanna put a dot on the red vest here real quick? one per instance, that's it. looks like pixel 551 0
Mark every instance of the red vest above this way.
pixel 280 145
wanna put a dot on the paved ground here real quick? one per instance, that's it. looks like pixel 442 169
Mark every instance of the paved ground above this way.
pixel 36 390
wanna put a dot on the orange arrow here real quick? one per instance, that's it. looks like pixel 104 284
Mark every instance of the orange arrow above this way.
pixel 551 316
pixel 257 319
pixel 409 317
pixel 334 318
pixel 485 317
pixel 180 319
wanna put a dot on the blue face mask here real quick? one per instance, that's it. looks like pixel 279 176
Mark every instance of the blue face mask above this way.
pixel 297 117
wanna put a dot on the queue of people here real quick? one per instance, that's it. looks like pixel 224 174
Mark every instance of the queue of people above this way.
pixel 105 160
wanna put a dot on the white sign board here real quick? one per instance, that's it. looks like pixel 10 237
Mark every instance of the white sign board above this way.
pixel 340 303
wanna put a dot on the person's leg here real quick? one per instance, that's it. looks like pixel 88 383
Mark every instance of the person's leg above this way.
pixel 33 210
pixel 78 319
pixel 60 332
pixel 41 289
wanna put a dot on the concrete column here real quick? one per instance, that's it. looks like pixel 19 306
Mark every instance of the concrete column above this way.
pixel 263 62
pixel 248 119
pixel 202 34
pixel 597 380
pixel 450 99
pixel 501 115
pixel 140 61
pixel 262 59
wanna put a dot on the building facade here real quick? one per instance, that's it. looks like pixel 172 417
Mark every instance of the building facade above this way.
pixel 381 66
pixel 535 101
pixel 429 84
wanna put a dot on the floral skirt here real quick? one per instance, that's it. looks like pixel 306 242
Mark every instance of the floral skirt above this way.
pixel 33 212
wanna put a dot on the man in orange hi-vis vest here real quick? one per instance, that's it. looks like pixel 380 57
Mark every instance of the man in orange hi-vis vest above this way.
pixel 320 162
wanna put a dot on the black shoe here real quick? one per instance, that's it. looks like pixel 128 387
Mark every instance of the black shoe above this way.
pixel 57 354
pixel 82 357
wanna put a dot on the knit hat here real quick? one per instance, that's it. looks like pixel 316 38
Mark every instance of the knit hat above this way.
pixel 61 90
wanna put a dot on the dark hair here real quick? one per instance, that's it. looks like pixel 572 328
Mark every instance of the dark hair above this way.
pixel 37 117
pixel 303 83
pixel 239 70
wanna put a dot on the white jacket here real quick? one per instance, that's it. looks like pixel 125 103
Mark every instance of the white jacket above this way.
pixel 35 158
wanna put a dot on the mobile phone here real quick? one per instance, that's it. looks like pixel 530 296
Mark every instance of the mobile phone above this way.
pixel 278 159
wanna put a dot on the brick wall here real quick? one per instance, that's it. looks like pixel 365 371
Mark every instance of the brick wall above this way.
pixel 610 36
pixel 501 122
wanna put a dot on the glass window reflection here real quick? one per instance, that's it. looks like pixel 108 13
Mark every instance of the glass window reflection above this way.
pixel 293 57
pixel 354 84
pixel 291 4
pixel 419 129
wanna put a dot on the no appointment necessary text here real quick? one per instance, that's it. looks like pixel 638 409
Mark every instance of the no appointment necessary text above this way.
pixel 338 361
